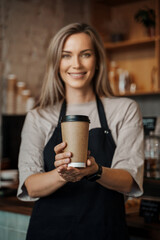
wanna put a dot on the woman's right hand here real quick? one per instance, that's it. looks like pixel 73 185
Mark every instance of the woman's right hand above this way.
pixel 62 158
pixel 68 173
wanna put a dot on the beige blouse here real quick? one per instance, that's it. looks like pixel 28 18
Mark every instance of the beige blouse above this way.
pixel 124 120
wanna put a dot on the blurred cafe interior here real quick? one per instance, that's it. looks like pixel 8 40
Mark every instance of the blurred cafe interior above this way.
pixel 130 30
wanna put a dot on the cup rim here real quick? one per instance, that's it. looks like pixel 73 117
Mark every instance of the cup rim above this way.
pixel 75 118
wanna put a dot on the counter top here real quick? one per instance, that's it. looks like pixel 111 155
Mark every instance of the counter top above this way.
pixel 12 204
pixel 136 225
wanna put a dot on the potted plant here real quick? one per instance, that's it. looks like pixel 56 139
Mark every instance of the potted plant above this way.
pixel 146 16
pixel 117 29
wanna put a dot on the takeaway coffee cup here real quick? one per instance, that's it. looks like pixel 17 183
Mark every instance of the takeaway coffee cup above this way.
pixel 75 131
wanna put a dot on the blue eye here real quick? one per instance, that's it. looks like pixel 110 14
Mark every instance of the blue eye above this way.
pixel 86 55
pixel 66 56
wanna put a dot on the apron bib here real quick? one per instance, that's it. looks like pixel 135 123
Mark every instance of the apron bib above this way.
pixel 82 210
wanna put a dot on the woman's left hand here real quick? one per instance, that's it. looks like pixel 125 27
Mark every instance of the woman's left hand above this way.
pixel 71 174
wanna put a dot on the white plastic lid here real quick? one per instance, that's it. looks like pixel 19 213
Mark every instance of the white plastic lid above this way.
pixel 21 84
pixel 26 92
pixel 11 76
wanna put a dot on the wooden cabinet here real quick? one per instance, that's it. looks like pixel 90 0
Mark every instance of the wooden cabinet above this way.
pixel 136 51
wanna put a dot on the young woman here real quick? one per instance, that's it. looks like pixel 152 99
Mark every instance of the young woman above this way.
pixel 74 203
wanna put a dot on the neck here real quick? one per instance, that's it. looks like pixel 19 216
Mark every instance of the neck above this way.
pixel 78 96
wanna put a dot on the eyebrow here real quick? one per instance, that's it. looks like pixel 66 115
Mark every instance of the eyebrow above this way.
pixel 81 51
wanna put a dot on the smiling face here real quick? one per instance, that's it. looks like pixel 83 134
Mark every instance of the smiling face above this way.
pixel 78 61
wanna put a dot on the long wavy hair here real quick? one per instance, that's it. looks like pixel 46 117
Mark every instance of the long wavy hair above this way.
pixel 53 88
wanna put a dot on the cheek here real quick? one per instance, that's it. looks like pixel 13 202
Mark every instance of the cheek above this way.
pixel 61 70
pixel 63 66
pixel 92 66
pixel 92 63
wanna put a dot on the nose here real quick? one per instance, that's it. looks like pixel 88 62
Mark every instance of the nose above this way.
pixel 76 62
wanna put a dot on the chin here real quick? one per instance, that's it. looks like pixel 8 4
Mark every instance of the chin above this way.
pixel 78 86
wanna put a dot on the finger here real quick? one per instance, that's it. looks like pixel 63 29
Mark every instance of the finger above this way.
pixel 89 152
pixel 62 168
pixel 59 148
pixel 61 156
pixel 62 162
pixel 70 168
pixel 89 163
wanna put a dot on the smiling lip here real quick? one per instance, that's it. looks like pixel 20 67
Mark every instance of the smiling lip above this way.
pixel 77 75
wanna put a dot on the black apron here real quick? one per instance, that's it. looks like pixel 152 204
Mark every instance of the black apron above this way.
pixel 82 210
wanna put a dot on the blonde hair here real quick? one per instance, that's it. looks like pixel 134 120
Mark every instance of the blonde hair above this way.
pixel 53 89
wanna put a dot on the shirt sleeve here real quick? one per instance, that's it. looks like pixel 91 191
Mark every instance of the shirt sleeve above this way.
pixel 129 153
pixel 31 153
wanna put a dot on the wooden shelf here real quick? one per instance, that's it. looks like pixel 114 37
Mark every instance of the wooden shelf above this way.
pixel 140 54
pixel 128 43
pixel 140 93
pixel 117 2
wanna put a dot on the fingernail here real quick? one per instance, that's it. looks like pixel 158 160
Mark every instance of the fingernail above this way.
pixel 68 154
pixel 67 160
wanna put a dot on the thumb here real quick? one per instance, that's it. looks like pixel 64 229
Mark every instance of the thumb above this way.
pixel 89 162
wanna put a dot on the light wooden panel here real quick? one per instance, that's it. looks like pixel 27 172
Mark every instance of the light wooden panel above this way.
pixel 123 15
pixel 139 61
pixel 138 53
pixel 157 49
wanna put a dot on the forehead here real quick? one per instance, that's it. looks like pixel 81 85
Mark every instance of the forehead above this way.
pixel 78 40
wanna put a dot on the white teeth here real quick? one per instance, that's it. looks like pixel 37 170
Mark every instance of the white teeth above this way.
pixel 76 74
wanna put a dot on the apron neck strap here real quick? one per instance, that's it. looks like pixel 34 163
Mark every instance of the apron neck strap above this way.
pixel 101 113
pixel 62 112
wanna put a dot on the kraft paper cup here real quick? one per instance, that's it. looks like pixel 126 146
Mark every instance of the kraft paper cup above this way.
pixel 75 131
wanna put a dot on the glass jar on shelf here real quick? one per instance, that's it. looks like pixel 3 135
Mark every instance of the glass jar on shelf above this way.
pixel 152 156
pixel 11 94
pixel 19 106
pixel 114 77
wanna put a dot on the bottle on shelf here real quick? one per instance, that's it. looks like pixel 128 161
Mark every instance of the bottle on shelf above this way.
pixel 11 94
pixel 27 100
pixel 25 96
pixel 19 99
pixel 30 103
pixel 19 106
pixel 113 77
pixel 154 79
pixel 152 156
pixel 125 82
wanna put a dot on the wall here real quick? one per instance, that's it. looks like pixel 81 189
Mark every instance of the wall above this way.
pixel 26 29
pixel 149 104
pixel 28 26
pixel 109 19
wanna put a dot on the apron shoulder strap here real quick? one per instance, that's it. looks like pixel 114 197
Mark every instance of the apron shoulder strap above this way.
pixel 102 116
pixel 62 112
